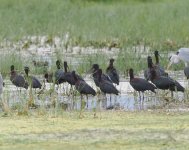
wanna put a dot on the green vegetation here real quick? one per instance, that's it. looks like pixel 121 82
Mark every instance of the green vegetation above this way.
pixel 157 24
pixel 111 130
pixel 90 21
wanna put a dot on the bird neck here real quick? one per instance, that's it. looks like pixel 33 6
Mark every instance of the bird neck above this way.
pixel 74 76
pixel 65 68
pixel 111 66
pixel 99 76
pixel 13 72
pixel 153 74
pixel 131 75
pixel 157 59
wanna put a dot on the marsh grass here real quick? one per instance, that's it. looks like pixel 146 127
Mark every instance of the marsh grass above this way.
pixel 97 21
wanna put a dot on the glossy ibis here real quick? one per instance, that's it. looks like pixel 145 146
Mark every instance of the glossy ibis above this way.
pixel 35 83
pixel 58 76
pixel 68 76
pixel 159 69
pixel 140 85
pixel 112 72
pixel 82 87
pixel 105 85
pixel 95 70
pixel 165 83
pixel 147 72
pixel 17 79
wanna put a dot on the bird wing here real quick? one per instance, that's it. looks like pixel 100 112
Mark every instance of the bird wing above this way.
pixel 84 88
pixel 35 82
pixel 140 84
pixel 184 54
pixel 114 76
pixel 108 87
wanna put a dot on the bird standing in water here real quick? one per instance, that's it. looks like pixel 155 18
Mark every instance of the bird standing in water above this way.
pixel 140 85
pixel 106 86
pixel 165 83
pixel 82 87
pixel 95 72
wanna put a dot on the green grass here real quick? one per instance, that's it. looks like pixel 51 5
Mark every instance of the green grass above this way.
pixel 97 21
pixel 111 130
pixel 161 25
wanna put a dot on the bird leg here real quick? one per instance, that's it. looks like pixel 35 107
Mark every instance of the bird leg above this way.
pixel 139 100
pixel 87 101
pixel 143 100
pixel 81 107
pixel 110 100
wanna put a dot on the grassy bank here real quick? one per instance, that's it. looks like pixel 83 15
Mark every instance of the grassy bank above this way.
pixel 111 130
pixel 97 21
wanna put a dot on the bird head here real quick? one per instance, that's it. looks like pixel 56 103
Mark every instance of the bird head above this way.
pixel 26 69
pixel 58 62
pixel 12 68
pixel 156 53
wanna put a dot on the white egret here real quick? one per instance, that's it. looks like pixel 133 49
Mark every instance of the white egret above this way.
pixel 181 55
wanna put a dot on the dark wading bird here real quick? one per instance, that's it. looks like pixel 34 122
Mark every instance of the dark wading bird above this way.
pixel 17 79
pixel 165 83
pixel 106 86
pixel 112 72
pixel 95 73
pixel 58 76
pixel 82 87
pixel 159 69
pixel 35 83
pixel 140 85
pixel 68 76
pixel 147 73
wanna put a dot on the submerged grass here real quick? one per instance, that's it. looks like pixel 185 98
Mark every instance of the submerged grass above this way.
pixel 111 130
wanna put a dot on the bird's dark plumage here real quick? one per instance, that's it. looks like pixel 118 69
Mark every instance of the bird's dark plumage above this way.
pixel 35 83
pixel 159 69
pixel 17 79
pixel 82 87
pixel 95 69
pixel 106 86
pixel 112 72
pixel 139 84
pixel 68 76
pixel 165 83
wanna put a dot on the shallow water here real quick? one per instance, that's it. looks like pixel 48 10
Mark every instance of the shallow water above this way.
pixel 126 100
